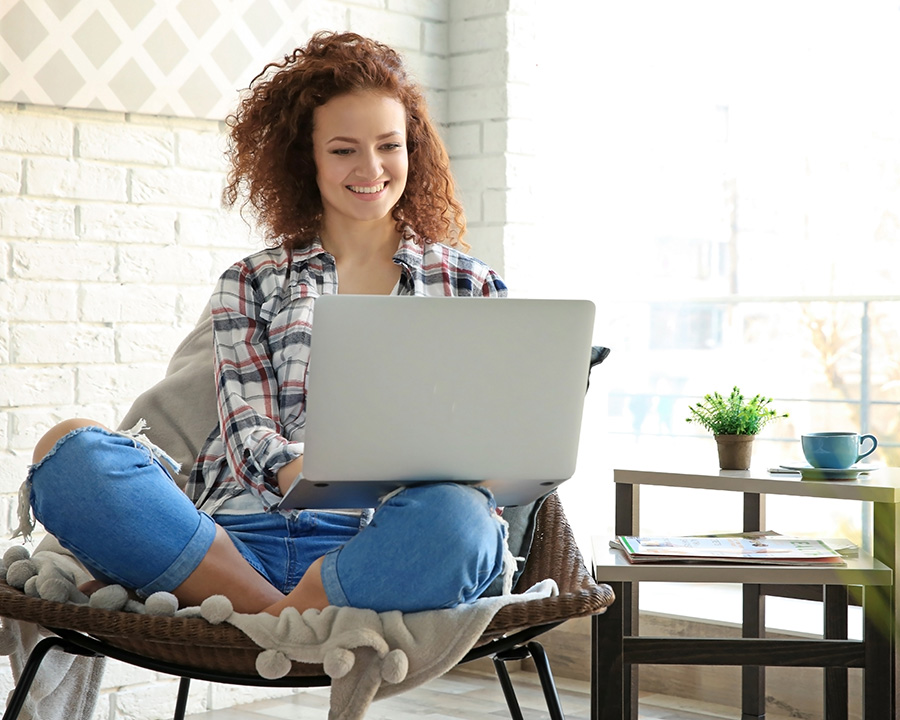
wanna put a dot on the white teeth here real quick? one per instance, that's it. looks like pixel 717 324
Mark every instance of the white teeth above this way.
pixel 367 190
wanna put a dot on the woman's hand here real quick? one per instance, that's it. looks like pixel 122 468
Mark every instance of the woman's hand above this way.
pixel 288 473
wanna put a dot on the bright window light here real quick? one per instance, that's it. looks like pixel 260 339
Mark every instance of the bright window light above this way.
pixel 723 179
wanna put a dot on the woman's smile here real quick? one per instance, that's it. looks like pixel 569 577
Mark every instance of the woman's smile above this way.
pixel 370 190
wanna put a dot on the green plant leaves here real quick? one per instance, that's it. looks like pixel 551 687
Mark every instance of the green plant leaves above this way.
pixel 733 415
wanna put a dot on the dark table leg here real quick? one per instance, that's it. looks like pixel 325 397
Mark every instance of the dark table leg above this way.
pixel 836 693
pixel 885 521
pixel 628 523
pixel 878 690
pixel 753 677
pixel 607 660
pixel 628 509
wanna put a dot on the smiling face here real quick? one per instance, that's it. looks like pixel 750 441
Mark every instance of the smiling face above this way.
pixel 359 146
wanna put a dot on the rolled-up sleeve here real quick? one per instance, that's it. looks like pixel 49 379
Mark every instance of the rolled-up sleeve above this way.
pixel 247 385
pixel 493 286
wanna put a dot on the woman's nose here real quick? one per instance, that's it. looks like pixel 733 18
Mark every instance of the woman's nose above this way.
pixel 370 166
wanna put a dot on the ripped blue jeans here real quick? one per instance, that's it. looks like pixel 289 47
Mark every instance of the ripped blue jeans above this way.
pixel 110 501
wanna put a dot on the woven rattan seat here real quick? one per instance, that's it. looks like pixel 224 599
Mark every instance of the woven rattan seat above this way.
pixel 194 648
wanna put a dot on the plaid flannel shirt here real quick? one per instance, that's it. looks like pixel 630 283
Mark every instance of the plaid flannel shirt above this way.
pixel 262 313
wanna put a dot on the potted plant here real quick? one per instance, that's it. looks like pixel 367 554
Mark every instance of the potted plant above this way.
pixel 734 421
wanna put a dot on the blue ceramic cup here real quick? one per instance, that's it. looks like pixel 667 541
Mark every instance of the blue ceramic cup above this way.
pixel 835 449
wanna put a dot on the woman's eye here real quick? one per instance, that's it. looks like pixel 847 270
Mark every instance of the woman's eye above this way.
pixel 341 151
pixel 392 146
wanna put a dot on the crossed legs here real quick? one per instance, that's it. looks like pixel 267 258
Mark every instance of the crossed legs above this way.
pixel 109 501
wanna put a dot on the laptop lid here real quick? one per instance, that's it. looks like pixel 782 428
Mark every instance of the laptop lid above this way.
pixel 405 390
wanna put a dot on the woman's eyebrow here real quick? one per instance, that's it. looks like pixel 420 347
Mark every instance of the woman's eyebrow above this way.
pixel 345 139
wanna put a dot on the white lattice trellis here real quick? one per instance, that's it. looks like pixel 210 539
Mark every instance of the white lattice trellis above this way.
pixel 169 57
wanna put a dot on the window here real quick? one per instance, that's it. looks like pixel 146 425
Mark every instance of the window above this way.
pixel 723 179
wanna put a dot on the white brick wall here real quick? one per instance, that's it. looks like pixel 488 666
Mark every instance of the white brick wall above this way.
pixel 112 235
pixel 108 256
pixel 490 136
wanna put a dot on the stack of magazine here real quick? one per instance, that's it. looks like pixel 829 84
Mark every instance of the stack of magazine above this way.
pixel 763 547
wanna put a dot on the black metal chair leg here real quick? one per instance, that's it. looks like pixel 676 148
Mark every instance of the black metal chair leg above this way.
pixel 536 651
pixel 184 688
pixel 542 664
pixel 509 692
pixel 17 699
pixel 29 672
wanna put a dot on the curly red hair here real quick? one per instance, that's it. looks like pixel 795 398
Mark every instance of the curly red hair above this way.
pixel 271 152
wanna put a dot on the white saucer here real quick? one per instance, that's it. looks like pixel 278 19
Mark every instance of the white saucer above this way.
pixel 808 472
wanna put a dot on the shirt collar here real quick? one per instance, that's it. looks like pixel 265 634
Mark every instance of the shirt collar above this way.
pixel 409 252
pixel 409 256
pixel 307 253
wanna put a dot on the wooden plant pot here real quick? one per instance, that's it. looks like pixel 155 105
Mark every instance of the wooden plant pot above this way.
pixel 734 451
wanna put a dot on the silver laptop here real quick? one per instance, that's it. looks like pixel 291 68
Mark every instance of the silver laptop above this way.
pixel 408 390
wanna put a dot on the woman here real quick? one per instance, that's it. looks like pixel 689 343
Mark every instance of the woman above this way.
pixel 336 155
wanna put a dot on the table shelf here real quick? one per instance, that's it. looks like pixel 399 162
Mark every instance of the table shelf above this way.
pixel 612 565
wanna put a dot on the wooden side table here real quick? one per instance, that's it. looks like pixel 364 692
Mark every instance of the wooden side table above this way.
pixel 618 649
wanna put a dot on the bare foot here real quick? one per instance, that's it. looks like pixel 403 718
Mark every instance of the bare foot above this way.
pixel 309 592
pixel 92 586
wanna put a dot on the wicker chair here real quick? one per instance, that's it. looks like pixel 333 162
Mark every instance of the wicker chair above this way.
pixel 191 648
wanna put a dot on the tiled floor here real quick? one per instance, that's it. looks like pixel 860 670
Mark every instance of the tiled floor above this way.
pixel 466 695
